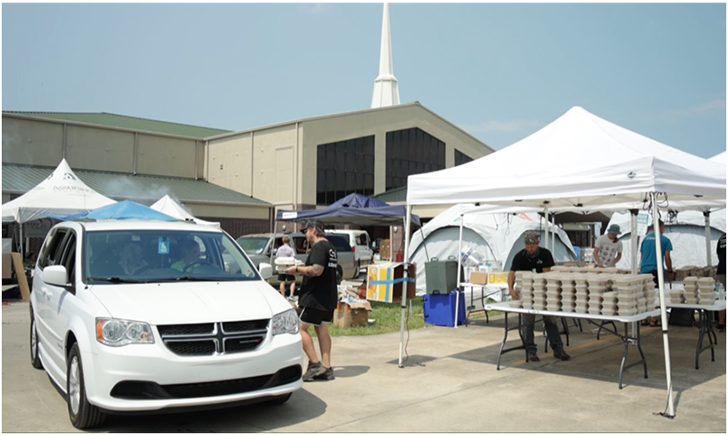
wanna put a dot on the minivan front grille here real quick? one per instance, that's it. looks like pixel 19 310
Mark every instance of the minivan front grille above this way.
pixel 214 338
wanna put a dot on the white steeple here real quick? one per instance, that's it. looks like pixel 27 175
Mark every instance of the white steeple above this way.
pixel 386 92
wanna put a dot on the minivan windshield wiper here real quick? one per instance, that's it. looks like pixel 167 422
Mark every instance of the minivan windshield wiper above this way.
pixel 114 279
pixel 195 278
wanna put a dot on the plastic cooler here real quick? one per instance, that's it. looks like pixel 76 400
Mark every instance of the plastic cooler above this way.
pixel 440 309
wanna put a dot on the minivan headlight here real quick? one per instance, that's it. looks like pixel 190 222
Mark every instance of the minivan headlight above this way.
pixel 119 332
pixel 285 322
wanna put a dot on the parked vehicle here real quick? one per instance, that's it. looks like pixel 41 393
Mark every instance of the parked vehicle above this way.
pixel 121 321
pixel 261 249
pixel 359 242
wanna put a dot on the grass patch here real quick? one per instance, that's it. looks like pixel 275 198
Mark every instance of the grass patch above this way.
pixel 386 319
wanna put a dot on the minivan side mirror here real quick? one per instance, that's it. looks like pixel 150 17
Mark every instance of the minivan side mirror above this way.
pixel 266 271
pixel 56 275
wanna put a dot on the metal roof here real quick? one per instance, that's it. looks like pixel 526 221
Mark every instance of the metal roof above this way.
pixel 393 196
pixel 128 122
pixel 145 189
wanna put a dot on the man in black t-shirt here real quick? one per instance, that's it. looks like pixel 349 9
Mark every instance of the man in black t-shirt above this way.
pixel 317 300
pixel 539 260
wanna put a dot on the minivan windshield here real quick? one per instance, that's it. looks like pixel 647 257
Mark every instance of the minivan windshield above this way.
pixel 163 256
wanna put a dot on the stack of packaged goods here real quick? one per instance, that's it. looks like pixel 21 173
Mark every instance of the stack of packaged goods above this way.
pixel 691 295
pixel 609 303
pixel 629 289
pixel 706 290
pixel 677 296
pixel 568 295
pixel 650 292
pixel 525 287
pixel 553 291
pixel 596 286
pixel 539 291
pixel 581 292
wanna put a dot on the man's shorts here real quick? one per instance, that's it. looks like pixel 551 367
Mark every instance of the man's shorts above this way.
pixel 313 316
pixel 286 278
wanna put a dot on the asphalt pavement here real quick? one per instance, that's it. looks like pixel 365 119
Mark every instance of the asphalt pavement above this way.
pixel 448 383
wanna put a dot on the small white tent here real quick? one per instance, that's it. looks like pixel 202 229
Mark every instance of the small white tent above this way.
pixel 61 193
pixel 169 206
pixel 686 232
pixel 496 236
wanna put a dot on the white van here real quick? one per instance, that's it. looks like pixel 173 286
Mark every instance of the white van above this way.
pixel 360 243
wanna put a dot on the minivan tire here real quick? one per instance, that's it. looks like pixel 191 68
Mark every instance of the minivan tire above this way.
pixel 83 415
pixel 34 356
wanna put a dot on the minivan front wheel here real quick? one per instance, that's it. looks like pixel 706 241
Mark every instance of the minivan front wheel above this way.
pixel 339 275
pixel 34 357
pixel 83 415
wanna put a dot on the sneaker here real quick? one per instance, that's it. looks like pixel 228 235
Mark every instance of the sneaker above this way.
pixel 327 375
pixel 291 298
pixel 563 356
pixel 532 357
pixel 314 369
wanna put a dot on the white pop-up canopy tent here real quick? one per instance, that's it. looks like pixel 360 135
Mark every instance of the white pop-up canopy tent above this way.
pixel 496 236
pixel 598 164
pixel 169 206
pixel 61 193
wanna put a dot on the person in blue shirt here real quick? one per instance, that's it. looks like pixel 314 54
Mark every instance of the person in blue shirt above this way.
pixel 648 262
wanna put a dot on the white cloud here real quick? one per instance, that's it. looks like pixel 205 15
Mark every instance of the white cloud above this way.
pixel 509 126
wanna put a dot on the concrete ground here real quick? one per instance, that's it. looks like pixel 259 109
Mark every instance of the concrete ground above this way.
pixel 449 383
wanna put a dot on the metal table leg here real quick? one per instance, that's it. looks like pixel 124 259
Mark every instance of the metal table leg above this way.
pixel 706 328
pixel 505 338
pixel 627 341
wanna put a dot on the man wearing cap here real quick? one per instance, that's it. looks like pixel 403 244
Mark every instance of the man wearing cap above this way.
pixel 538 260
pixel 317 300
pixel 608 248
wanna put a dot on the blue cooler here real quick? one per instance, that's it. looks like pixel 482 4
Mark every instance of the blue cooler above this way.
pixel 440 309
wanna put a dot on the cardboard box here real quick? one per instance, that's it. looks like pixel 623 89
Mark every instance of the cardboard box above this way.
pixel 498 277
pixel 384 249
pixel 7 266
pixel 479 278
pixel 346 316
pixel 384 282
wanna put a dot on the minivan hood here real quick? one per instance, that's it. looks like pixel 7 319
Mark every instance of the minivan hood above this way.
pixel 191 302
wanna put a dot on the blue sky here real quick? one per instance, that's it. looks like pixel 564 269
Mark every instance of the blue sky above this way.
pixel 499 71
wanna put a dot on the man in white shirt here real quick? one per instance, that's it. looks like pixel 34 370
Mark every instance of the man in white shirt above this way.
pixel 608 249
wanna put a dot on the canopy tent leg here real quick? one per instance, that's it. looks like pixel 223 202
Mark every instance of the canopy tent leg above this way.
pixel 457 289
pixel 553 234
pixel 546 230
pixel 405 274
pixel 663 313
pixel 708 255
pixel 634 240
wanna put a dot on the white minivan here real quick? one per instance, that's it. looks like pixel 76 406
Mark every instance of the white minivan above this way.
pixel 130 316
pixel 360 243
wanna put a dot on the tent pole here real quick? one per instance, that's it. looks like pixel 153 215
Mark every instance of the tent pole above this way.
pixel 708 256
pixel 634 240
pixel 405 274
pixel 546 230
pixel 460 256
pixel 553 233
pixel 663 312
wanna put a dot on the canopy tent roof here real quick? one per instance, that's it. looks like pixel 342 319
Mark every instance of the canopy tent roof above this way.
pixel 353 209
pixel 169 206
pixel 122 210
pixel 61 193
pixel 720 158
pixel 595 162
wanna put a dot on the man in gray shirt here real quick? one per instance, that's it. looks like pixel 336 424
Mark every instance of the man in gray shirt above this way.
pixel 286 251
